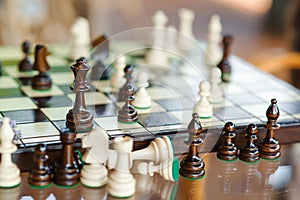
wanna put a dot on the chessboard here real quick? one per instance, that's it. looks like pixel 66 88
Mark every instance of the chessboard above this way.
pixel 41 115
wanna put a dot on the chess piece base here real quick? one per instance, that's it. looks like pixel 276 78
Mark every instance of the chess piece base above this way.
pixel 41 82
pixel 80 122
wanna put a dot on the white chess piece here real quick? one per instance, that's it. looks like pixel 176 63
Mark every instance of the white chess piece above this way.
pixel 203 106
pixel 186 18
pixel 156 55
pixel 214 52
pixel 121 182
pixel 142 98
pixel 217 93
pixel 94 173
pixel 9 172
pixel 80 36
pixel 117 80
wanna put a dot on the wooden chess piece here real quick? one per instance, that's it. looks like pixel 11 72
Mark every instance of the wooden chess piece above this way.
pixel 25 64
pixel 79 118
pixel 67 172
pixel 269 147
pixel 224 64
pixel 40 175
pixel 250 152
pixel 42 81
pixel 228 150
pixel 192 166
pixel 129 81
pixel 128 114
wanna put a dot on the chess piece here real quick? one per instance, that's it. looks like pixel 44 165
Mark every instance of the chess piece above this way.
pixel 25 64
pixel 121 182
pixel 42 81
pixel 194 128
pixel 128 70
pixel 117 80
pixel 40 175
pixel 155 54
pixel 228 150
pixel 100 52
pixel 80 37
pixel 142 98
pixel 269 147
pixel 79 118
pixel 192 166
pixel 203 106
pixel 67 172
pixel 128 113
pixel 250 152
pixel 214 52
pixel 9 172
pixel 94 173
pixel 224 64
pixel 217 93
pixel 186 19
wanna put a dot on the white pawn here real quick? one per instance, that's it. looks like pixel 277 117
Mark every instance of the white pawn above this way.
pixel 9 172
pixel 94 173
pixel 217 94
pixel 142 98
pixel 117 80
pixel 186 18
pixel 156 54
pixel 80 36
pixel 203 106
pixel 214 52
pixel 121 182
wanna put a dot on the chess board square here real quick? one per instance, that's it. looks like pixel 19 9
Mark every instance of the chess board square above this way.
pixel 154 108
pixel 65 88
pixel 162 93
pixel 8 82
pixel 280 96
pixel 92 98
pixel 57 113
pixel 245 99
pixel 13 71
pixel 102 86
pixel 24 80
pixel 16 103
pixel 26 116
pixel 52 101
pixel 231 113
pixel 157 119
pixel 61 69
pixel 111 123
pixel 62 78
pixel 103 110
pixel 176 104
pixel 39 129
pixel 292 107
pixel 11 92
pixel 38 93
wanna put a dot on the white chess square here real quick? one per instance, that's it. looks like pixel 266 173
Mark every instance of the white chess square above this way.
pixel 17 103
pixel 8 82
pixel 92 98
pixel 53 91
pixel 57 113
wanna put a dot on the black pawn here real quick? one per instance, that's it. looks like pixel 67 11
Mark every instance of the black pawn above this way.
pixel 128 114
pixel 192 165
pixel 250 152
pixel 40 175
pixel 67 172
pixel 269 147
pixel 42 81
pixel 228 150
pixel 129 81
pixel 224 64
pixel 25 64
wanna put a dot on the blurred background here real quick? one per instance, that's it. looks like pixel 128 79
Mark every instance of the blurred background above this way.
pixel 264 30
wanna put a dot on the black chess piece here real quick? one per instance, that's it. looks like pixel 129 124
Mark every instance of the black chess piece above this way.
pixel 228 150
pixel 25 64
pixel 194 128
pixel 192 165
pixel 40 175
pixel 79 118
pixel 128 114
pixel 250 152
pixel 67 172
pixel 269 147
pixel 42 81
pixel 129 81
pixel 224 64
